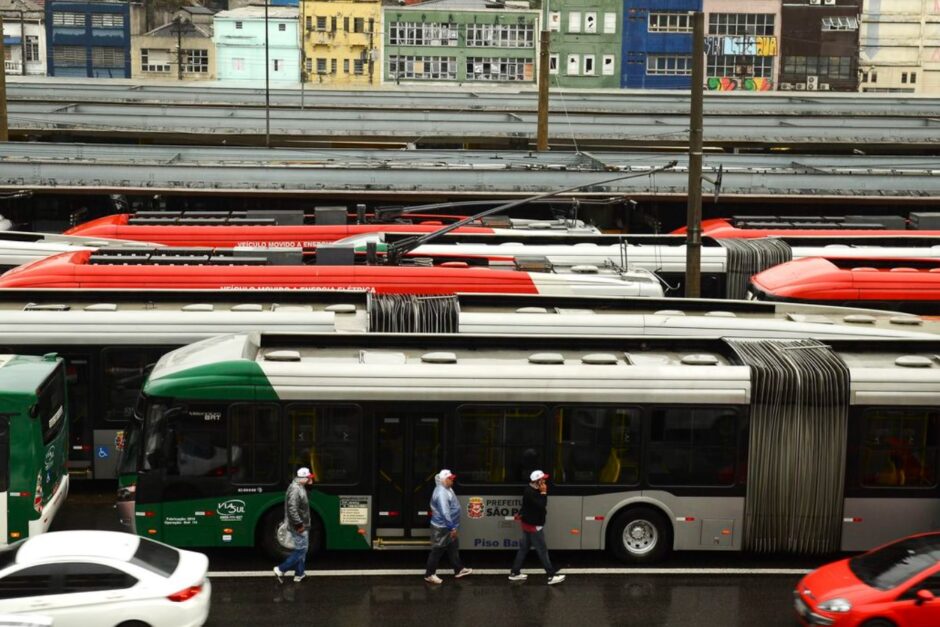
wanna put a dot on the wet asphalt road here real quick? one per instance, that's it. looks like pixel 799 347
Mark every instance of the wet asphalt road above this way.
pixel 481 600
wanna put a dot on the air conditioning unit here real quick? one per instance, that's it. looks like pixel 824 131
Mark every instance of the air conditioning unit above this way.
pixel 800 86
pixel 786 86
pixel 815 1
pixel 824 87
pixel 812 83
pixel 829 2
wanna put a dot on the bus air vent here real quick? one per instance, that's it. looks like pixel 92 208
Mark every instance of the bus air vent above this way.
pixel 532 310
pixel 546 358
pixel 702 359
pixel 198 307
pixel 859 319
pixel 283 355
pixel 247 307
pixel 342 308
pixel 599 359
pixel 913 361
pixel 102 307
pixel 439 358
pixel 585 269
pixel 49 307
pixel 721 314
pixel 908 320
pixel 669 312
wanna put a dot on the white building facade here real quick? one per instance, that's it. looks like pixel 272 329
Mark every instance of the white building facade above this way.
pixel 239 36
pixel 24 38
pixel 900 46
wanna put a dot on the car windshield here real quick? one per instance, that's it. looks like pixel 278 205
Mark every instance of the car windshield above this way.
pixel 892 565
pixel 156 557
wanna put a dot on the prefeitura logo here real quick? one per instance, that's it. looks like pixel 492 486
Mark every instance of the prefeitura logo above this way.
pixel 475 507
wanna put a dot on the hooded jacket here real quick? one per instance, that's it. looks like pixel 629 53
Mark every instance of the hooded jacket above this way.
pixel 445 508
pixel 296 505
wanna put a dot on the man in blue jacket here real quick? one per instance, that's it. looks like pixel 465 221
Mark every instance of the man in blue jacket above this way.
pixel 445 520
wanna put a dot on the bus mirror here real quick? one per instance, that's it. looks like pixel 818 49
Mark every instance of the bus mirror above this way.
pixel 50 356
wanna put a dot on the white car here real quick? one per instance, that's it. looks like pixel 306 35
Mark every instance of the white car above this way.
pixel 104 578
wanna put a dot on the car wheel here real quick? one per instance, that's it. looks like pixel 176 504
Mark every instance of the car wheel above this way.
pixel 878 622
pixel 640 534
pixel 267 535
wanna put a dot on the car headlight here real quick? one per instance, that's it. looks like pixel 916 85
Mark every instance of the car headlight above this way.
pixel 838 606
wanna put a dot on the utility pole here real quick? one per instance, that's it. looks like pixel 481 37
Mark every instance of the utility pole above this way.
pixel 267 82
pixel 541 142
pixel 4 129
pixel 179 47
pixel 22 43
pixel 693 237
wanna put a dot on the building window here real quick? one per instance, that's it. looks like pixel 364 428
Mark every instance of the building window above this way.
pixel 276 65
pixel 422 68
pixel 501 35
pixel 420 34
pixel 107 20
pixel 68 19
pixel 333 24
pixel 610 23
pixel 913 77
pixel 358 67
pixel 346 66
pixel 669 65
pixel 107 56
pixel 607 65
pixel 359 25
pixel 841 68
pixel 741 24
pixel 32 48
pixel 554 21
pixel 553 63
pixel 321 66
pixel 670 22
pixel 574 64
pixel 903 78
pixel 332 66
pixel 196 61
pixel 498 69
pixel 238 25
pixel 282 27
pixel 741 66
pixel 590 22
pixel 574 22
pixel 309 22
pixel 69 56
pixel 589 65
pixel 840 23
pixel 154 60
pixel 321 22
pixel 238 64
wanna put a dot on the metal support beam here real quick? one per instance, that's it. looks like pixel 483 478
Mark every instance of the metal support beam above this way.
pixel 693 269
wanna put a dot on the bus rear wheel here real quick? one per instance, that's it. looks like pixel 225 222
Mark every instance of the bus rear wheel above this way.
pixel 640 534
pixel 267 535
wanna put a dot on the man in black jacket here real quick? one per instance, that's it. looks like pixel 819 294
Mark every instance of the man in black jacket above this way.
pixel 532 517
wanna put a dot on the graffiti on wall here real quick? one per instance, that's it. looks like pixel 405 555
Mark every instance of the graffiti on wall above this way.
pixel 730 83
pixel 748 45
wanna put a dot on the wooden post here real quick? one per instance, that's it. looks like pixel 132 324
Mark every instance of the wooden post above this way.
pixel 541 143
pixel 693 248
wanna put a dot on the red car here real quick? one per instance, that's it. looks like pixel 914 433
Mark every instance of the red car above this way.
pixel 891 586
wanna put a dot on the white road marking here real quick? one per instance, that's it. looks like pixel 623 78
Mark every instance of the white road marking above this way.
pixel 394 572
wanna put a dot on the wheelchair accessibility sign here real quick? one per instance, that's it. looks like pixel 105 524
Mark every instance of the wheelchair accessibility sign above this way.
pixel 102 452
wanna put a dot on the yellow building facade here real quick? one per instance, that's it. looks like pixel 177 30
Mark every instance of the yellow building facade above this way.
pixel 341 41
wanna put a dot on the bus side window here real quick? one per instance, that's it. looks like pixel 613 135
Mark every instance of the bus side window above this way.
pixel 899 447
pixel 254 445
pixel 328 440
pixel 596 445
pixel 499 443
pixel 123 373
pixel 692 446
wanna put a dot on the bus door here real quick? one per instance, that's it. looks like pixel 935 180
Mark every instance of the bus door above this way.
pixel 410 452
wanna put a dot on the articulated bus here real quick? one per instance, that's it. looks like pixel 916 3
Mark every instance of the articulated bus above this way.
pixel 34 481
pixel 653 444
pixel 110 338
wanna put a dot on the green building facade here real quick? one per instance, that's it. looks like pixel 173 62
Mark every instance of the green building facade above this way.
pixel 461 41
pixel 585 42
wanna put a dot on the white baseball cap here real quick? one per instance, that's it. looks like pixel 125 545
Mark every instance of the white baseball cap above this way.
pixel 537 475
pixel 303 473
pixel 446 474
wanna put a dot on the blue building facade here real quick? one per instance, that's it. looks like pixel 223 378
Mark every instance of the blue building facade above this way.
pixel 91 39
pixel 657 44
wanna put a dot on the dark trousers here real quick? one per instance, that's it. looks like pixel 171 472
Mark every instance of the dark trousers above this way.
pixel 536 540
pixel 441 543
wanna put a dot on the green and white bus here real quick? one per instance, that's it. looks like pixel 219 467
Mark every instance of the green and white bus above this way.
pixel 34 480
pixel 653 444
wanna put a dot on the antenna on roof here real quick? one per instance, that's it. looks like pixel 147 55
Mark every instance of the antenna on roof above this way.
pixel 396 250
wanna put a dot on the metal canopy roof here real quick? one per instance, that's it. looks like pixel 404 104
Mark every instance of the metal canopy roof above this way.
pixel 377 174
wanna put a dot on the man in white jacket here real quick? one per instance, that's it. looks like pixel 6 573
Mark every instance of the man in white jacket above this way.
pixel 445 520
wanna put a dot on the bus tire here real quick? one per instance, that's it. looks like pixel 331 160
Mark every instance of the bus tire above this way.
pixel 640 534
pixel 133 623
pixel 878 622
pixel 267 534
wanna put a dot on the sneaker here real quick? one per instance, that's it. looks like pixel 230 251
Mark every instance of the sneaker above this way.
pixel 555 579
pixel 518 577
pixel 434 579
pixel 463 573
pixel 299 578
pixel 278 574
